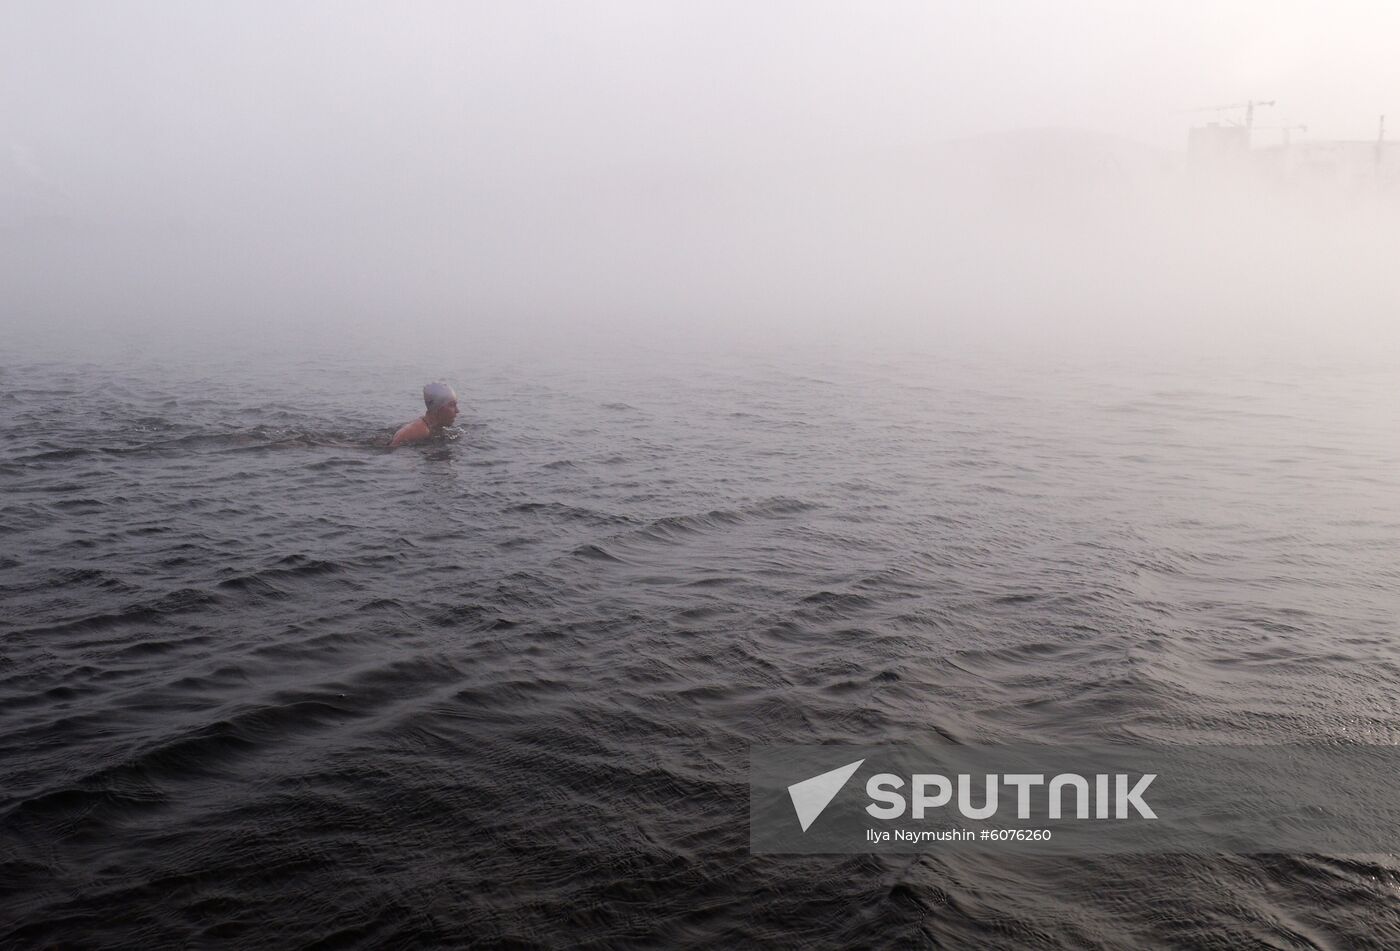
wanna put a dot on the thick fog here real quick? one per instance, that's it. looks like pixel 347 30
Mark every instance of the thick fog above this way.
pixel 939 173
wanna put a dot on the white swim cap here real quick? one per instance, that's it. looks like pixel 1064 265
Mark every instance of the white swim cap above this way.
pixel 438 395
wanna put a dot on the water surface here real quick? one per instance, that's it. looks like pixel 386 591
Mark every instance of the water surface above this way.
pixel 264 681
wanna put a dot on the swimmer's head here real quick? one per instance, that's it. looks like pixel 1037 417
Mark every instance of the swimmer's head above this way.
pixel 441 402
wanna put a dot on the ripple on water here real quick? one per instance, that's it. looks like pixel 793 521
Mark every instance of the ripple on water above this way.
pixel 265 682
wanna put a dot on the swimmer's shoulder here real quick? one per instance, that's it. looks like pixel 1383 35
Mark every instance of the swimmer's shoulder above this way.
pixel 415 431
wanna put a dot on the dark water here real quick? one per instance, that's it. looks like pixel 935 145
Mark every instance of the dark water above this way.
pixel 263 682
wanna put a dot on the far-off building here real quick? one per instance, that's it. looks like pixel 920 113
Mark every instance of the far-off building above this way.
pixel 1321 167
pixel 1344 166
pixel 1215 146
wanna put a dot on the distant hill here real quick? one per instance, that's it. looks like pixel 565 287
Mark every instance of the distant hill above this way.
pixel 1063 157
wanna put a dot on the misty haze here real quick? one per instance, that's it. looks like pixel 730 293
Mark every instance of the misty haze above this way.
pixel 796 374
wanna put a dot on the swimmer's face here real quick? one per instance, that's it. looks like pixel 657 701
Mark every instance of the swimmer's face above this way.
pixel 446 413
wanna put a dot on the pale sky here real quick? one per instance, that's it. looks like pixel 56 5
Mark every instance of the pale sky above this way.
pixel 455 155
pixel 499 84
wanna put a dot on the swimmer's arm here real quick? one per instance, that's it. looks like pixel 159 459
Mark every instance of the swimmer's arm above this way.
pixel 415 431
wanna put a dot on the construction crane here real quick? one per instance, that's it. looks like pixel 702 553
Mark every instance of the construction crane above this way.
pixel 1248 107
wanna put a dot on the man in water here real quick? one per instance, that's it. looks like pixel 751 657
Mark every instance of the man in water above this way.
pixel 441 402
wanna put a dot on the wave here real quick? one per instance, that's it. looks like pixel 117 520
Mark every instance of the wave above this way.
pixel 182 601
pixel 572 513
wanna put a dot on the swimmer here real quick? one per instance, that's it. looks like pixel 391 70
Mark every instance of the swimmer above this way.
pixel 441 402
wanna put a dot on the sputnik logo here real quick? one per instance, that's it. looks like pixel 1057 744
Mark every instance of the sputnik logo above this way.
pixel 811 796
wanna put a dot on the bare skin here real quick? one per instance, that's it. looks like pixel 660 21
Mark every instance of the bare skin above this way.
pixel 427 426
